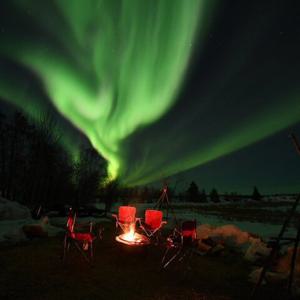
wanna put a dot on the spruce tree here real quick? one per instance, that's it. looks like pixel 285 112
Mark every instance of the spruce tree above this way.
pixel 214 196
pixel 256 195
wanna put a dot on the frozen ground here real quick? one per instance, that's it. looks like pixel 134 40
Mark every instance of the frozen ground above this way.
pixel 15 216
pixel 182 212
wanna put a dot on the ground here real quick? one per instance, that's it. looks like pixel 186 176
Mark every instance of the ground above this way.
pixel 34 270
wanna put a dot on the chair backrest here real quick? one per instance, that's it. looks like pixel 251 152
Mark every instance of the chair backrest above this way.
pixel 153 218
pixel 189 230
pixel 127 214
pixel 71 221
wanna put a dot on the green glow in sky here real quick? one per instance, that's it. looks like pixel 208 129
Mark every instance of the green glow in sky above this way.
pixel 114 69
pixel 259 126
pixel 118 67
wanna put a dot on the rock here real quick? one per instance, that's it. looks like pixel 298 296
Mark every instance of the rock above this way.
pixel 217 249
pixel 254 275
pixel 231 235
pixel 41 229
pixel 256 250
pixel 203 247
pixel 204 231
pixel 274 277
pixel 284 263
pixel 34 231
pixel 227 235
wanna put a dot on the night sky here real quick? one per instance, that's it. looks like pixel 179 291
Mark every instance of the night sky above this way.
pixel 195 90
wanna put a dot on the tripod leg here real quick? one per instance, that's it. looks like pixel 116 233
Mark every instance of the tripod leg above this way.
pixel 293 261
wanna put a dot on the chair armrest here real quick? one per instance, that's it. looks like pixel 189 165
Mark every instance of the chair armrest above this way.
pixel 139 220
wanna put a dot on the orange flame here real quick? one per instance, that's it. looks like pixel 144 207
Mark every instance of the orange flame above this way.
pixel 132 238
pixel 130 235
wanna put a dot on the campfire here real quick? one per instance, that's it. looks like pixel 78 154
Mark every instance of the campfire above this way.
pixel 132 238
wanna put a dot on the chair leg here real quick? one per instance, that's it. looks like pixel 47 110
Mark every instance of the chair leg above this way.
pixel 100 233
pixel 91 251
pixel 188 266
pixel 172 258
pixel 82 252
pixel 165 255
pixel 157 237
pixel 65 246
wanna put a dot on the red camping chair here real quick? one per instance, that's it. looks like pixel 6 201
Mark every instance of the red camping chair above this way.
pixel 80 238
pixel 125 218
pixel 181 244
pixel 152 223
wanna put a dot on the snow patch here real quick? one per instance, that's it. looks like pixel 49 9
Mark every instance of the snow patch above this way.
pixel 10 210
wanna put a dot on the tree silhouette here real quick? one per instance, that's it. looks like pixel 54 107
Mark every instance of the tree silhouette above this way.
pixel 111 190
pixel 256 195
pixel 202 196
pixel 36 170
pixel 193 192
pixel 214 196
pixel 88 172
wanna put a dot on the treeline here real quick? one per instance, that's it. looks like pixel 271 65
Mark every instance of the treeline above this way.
pixel 151 194
pixel 193 194
pixel 36 170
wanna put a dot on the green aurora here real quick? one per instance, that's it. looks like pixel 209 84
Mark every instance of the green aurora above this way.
pixel 115 68
pixel 118 65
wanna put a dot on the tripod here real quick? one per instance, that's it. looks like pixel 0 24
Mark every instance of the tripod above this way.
pixel 281 240
pixel 163 200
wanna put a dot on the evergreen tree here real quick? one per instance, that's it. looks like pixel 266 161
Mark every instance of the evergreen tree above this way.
pixel 234 197
pixel 226 197
pixel 110 193
pixel 88 173
pixel 193 192
pixel 256 195
pixel 214 196
pixel 202 196
pixel 36 170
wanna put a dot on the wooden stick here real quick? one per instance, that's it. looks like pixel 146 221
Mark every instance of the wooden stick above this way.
pixel 296 142
pixel 275 248
pixel 293 261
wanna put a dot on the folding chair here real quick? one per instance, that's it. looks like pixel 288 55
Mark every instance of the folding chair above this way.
pixel 152 224
pixel 80 238
pixel 125 218
pixel 181 244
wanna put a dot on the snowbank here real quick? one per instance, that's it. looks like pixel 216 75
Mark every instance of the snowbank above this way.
pixel 13 216
pixel 16 224
pixel 11 231
pixel 10 210
pixel 231 237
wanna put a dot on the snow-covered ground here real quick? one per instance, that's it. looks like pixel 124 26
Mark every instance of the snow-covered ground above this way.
pixel 264 230
pixel 14 216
